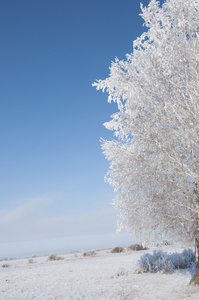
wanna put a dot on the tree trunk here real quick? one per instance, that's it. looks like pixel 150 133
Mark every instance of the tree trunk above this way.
pixel 195 279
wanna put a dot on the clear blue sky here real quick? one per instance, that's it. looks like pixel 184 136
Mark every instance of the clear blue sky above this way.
pixel 52 191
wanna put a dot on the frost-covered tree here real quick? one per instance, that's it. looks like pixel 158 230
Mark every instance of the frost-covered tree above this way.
pixel 154 157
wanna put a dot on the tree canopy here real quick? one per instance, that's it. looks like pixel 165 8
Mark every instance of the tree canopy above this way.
pixel 154 156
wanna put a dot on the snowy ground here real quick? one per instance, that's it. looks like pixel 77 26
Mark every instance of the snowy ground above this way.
pixel 105 276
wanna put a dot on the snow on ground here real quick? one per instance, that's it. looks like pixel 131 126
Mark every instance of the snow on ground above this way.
pixel 105 276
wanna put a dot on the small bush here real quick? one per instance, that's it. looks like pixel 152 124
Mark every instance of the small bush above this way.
pixel 160 261
pixel 54 256
pixel 89 253
pixel 136 247
pixel 5 266
pixel 183 260
pixel 117 250
pixel 30 261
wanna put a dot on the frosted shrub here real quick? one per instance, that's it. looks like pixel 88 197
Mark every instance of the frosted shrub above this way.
pixel 54 256
pixel 89 253
pixel 4 259
pixel 136 247
pixel 160 261
pixel 117 250
pixel 30 261
pixel 183 260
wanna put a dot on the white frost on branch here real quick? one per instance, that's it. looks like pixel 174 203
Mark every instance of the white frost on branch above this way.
pixel 154 162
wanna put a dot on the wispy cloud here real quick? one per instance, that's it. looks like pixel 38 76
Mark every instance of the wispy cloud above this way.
pixel 32 220
pixel 22 211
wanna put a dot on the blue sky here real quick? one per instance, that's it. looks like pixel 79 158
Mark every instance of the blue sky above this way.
pixel 52 191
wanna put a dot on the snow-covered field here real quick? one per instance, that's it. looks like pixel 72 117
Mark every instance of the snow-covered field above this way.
pixel 104 276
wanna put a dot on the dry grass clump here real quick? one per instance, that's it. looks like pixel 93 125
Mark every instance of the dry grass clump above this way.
pixel 122 272
pixel 5 266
